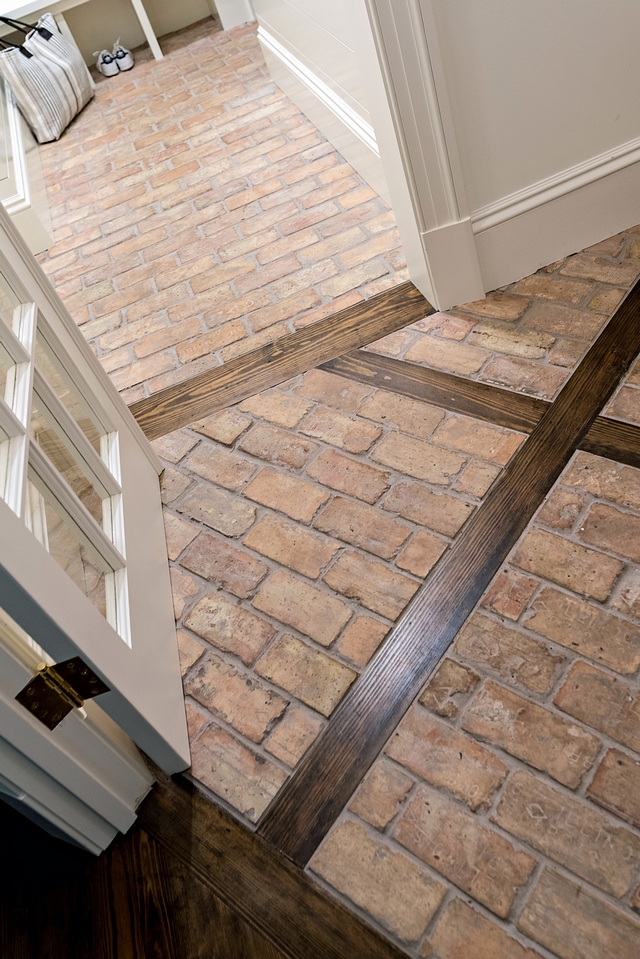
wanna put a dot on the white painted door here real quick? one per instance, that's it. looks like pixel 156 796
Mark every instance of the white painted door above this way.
pixel 83 564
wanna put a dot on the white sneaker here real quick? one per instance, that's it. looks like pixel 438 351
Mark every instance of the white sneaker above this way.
pixel 122 56
pixel 106 63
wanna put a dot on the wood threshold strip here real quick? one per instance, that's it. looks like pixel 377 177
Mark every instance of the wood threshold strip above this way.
pixel 308 805
pixel 516 411
pixel 273 896
pixel 276 362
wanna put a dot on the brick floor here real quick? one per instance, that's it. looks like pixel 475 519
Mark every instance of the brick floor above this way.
pixel 198 214
pixel 511 787
pixel 299 525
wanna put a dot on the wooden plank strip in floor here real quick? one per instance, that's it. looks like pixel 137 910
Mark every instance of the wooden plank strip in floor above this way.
pixel 308 805
pixel 277 899
pixel 363 323
pixel 606 437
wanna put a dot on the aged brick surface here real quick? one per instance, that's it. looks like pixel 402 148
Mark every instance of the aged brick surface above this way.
pixel 172 485
pixel 480 439
pixel 189 650
pixel 445 757
pixel 293 735
pixel 532 733
pixel 465 850
pixel 463 933
pixel 567 564
pixel 555 288
pixel 381 794
pixel 277 446
pixel 574 924
pixel 331 390
pixel 447 355
pixel 447 687
pixel 440 512
pixel 183 588
pixel 230 627
pixel 627 599
pixel 224 427
pixel 362 526
pixel 235 697
pixel 499 305
pixel 507 339
pixel 394 890
pixel 243 778
pixel 311 676
pixel 174 445
pixel 602 702
pixel 196 720
pixel 224 467
pixel 616 786
pixel 510 593
pixel 417 458
pixel 421 554
pixel 586 629
pixel 524 376
pixel 314 612
pixel 218 509
pixel 338 429
pixel 563 320
pixel 609 528
pixel 604 478
pixel 561 509
pixel 277 407
pixel 518 659
pixel 402 413
pixel 361 639
pixel 635 899
pixel 217 560
pixel 374 585
pixel 601 268
pixel 476 478
pixel 570 831
pixel 178 534
pixel 289 494
pixel 349 476
pixel 291 545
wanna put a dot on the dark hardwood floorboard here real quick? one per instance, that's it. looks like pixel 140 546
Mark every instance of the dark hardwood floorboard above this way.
pixel 275 897
pixel 137 901
pixel 516 411
pixel 308 805
pixel 288 356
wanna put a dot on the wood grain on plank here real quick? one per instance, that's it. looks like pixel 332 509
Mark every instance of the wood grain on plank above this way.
pixel 308 805
pixel 262 368
pixel 279 900
pixel 606 437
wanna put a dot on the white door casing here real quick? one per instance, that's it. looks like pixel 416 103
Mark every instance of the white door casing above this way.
pixel 131 644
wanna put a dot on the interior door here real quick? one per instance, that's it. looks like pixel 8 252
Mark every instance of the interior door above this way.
pixel 83 563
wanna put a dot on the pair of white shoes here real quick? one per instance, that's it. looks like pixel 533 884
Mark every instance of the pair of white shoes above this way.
pixel 119 60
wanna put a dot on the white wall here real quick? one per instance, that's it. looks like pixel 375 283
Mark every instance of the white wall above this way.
pixel 99 23
pixel 536 86
pixel 312 50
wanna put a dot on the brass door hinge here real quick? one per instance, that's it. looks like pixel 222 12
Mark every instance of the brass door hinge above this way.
pixel 55 690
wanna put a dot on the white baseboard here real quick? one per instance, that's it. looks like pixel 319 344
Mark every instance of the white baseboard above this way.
pixel 560 226
pixel 350 133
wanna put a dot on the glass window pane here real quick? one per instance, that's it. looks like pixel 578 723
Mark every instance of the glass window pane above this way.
pixel 5 365
pixel 52 530
pixel 48 439
pixel 58 383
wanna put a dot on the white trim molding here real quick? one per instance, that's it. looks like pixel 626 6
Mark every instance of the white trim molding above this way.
pixel 327 96
pixel 558 185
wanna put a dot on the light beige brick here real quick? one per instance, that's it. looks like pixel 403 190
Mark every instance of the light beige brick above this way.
pixel 229 568
pixel 291 545
pixel 309 675
pixel 371 583
pixel 312 611
pixel 293 735
pixel 289 494
pixel 417 458
pixel 567 563
pixel 230 627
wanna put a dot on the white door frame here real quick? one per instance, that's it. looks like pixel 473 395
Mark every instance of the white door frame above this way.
pixel 426 186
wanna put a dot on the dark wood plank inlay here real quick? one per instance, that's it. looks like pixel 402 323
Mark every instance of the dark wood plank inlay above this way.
pixel 606 437
pixel 280 902
pixel 308 805
pixel 276 362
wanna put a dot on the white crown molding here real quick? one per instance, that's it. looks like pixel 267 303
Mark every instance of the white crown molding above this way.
pixel 346 114
pixel 560 184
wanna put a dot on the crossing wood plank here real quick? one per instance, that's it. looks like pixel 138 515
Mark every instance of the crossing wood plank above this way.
pixel 288 356
pixel 606 437
pixel 308 805
pixel 282 903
